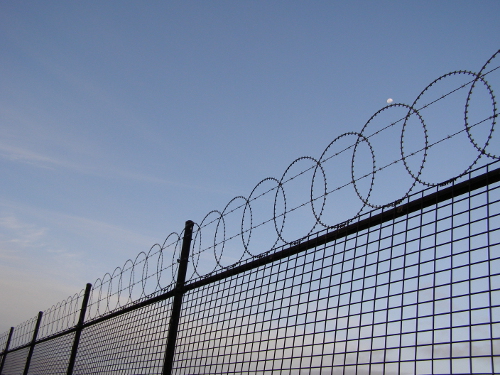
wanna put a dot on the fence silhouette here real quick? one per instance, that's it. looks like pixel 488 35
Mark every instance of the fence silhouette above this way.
pixel 394 268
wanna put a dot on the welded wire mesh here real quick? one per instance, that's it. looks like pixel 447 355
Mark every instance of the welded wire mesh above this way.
pixel 417 295
pixel 15 362
pixel 51 357
pixel 132 343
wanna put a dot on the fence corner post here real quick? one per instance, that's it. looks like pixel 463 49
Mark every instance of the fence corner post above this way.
pixel 177 302
pixel 79 328
pixel 4 354
pixel 33 343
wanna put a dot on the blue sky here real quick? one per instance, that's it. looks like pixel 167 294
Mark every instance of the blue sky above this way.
pixel 120 120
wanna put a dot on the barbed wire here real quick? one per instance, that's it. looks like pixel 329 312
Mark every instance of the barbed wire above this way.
pixel 150 273
pixel 219 238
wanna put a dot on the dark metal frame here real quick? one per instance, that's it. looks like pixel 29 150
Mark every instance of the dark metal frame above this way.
pixel 440 195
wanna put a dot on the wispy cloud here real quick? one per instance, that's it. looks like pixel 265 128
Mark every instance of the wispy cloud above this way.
pixel 37 159
pixel 20 234
pixel 28 156
pixel 102 169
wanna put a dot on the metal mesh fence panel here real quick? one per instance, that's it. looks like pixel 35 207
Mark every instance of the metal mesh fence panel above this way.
pixel 15 362
pixel 51 357
pixel 131 343
pixel 416 295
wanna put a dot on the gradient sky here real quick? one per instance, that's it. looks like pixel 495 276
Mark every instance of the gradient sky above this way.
pixel 121 120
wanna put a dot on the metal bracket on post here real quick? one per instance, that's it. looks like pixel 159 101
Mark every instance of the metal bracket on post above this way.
pixel 177 302
pixel 33 342
pixel 79 328
pixel 6 348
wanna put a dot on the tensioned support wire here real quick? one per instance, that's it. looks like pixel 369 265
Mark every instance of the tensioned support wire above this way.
pixel 345 229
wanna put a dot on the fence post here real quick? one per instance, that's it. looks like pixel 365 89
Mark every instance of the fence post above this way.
pixel 79 328
pixel 177 303
pixel 6 348
pixel 33 342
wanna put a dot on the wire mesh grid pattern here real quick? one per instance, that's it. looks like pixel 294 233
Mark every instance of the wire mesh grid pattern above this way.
pixel 132 343
pixel 51 357
pixel 15 362
pixel 417 295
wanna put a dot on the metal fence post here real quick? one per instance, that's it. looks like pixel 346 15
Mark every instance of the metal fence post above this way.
pixel 177 303
pixel 6 348
pixel 33 342
pixel 79 328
